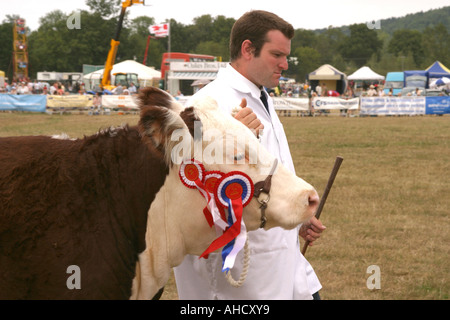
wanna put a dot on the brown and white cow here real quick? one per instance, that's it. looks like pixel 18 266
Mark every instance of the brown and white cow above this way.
pixel 85 203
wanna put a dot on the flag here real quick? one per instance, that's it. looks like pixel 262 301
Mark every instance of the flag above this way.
pixel 160 30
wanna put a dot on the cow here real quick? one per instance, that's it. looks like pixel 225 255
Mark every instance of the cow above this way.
pixel 106 216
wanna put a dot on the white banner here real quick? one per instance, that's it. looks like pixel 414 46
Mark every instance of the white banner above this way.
pixel 118 101
pixel 334 103
pixel 69 101
pixel 291 104
pixel 393 105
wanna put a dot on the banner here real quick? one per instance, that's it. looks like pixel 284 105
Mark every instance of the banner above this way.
pixel 437 105
pixel 301 104
pixel 334 103
pixel 160 30
pixel 118 101
pixel 69 101
pixel 392 105
pixel 23 102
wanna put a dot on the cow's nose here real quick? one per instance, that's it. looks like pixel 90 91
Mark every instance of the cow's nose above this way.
pixel 313 202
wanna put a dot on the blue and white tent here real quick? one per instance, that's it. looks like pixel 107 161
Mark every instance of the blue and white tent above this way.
pixel 438 70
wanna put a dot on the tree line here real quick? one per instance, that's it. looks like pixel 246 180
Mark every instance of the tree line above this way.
pixel 55 47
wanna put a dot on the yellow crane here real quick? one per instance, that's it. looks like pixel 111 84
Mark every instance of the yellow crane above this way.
pixel 120 77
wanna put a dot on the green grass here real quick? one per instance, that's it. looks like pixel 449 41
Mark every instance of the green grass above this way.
pixel 389 205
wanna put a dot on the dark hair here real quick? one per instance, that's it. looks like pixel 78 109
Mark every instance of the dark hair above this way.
pixel 254 26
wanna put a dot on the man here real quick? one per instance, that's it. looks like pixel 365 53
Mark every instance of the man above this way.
pixel 54 89
pixel 259 45
pixel 132 89
pixel 118 90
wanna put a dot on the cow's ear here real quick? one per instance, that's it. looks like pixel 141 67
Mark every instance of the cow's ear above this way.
pixel 192 121
pixel 151 96
pixel 157 126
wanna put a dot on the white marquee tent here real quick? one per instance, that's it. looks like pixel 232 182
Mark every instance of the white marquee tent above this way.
pixel 145 74
pixel 365 73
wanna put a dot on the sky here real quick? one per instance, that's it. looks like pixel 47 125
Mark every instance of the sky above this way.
pixel 300 13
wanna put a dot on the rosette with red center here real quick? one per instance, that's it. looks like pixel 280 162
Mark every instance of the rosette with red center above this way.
pixel 192 173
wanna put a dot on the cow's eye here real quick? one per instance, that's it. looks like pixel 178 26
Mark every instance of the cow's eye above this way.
pixel 239 156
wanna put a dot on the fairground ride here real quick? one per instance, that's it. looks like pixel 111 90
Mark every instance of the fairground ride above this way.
pixel 20 53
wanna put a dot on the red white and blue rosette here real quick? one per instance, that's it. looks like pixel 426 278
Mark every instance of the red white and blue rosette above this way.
pixel 233 186
pixel 233 191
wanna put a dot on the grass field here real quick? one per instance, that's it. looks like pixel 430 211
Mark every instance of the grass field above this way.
pixel 389 205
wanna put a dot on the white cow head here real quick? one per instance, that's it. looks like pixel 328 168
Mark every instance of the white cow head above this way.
pixel 176 222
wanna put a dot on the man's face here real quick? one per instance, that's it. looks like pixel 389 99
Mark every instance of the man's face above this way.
pixel 265 70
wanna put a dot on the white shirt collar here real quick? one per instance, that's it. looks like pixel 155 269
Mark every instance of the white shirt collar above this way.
pixel 238 82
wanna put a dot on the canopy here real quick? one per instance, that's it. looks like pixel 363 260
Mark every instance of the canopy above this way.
pixel 145 74
pixel 128 66
pixel 444 81
pixel 326 72
pixel 365 73
pixel 438 70
pixel 329 76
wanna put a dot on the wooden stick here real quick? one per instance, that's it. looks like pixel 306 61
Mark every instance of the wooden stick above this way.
pixel 333 174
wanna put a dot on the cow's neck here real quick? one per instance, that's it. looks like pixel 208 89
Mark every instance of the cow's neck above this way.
pixel 176 227
pixel 126 165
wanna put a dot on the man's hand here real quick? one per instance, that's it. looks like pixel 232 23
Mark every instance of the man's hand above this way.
pixel 248 118
pixel 311 230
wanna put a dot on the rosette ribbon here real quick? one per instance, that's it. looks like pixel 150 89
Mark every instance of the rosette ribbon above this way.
pixel 217 212
pixel 233 191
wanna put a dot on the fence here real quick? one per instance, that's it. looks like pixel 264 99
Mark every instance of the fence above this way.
pixel 365 105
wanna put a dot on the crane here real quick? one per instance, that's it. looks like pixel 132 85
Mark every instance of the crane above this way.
pixel 106 79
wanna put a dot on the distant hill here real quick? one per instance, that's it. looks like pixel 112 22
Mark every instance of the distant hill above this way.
pixel 418 21
pixel 414 21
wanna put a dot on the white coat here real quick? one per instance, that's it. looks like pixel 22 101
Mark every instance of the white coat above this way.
pixel 277 268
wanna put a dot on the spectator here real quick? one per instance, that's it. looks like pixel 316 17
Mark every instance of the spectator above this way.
pixel 324 90
pixel 61 90
pixel 54 88
pixel 380 91
pixel 371 92
pixel 132 89
pixel 349 93
pixel 118 90
pixel 13 88
pixel 97 101
pixel 319 91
